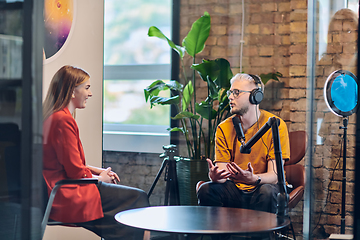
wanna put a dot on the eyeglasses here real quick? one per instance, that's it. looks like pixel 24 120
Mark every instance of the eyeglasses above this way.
pixel 235 92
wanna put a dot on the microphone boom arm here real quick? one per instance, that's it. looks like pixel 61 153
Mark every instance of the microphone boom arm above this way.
pixel 246 148
pixel 283 197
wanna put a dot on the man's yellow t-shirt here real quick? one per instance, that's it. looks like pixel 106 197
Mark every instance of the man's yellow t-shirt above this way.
pixel 227 146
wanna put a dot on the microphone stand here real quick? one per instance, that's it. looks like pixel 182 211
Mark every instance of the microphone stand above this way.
pixel 283 196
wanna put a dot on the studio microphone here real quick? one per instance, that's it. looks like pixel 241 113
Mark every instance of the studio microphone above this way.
pixel 239 131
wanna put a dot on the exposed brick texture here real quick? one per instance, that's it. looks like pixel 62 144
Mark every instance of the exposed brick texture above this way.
pixel 329 168
pixel 138 170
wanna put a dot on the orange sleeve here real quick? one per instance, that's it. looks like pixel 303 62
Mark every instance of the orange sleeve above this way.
pixel 223 148
pixel 68 149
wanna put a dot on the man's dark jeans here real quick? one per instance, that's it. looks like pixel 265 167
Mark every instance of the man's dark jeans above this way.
pixel 263 198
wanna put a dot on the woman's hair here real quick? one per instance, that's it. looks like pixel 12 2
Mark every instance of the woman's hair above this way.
pixel 61 88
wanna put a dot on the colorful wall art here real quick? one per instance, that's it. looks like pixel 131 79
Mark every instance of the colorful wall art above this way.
pixel 58 20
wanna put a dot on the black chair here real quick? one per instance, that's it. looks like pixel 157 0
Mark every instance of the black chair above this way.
pixel 46 220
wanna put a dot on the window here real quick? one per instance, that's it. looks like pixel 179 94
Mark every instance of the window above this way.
pixel 132 60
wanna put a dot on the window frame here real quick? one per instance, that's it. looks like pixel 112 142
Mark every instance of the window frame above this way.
pixel 144 138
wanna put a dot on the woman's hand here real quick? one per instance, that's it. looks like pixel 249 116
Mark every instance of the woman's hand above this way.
pixel 97 171
pixel 105 176
pixel 115 178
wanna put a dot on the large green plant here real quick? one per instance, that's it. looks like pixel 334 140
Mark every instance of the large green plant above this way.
pixel 191 114
pixel 216 73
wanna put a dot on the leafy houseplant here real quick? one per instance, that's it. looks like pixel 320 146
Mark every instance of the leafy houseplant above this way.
pixel 215 108
pixel 191 114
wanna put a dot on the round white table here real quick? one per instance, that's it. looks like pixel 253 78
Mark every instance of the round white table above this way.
pixel 202 220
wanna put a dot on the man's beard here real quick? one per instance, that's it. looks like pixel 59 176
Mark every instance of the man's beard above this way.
pixel 240 112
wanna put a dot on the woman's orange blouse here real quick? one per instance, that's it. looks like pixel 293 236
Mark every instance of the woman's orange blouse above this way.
pixel 63 158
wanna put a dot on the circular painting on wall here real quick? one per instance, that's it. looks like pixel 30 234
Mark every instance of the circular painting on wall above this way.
pixel 58 19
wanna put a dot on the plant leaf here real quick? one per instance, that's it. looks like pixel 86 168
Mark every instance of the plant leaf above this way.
pixel 175 85
pixel 163 100
pixel 208 68
pixel 222 95
pixel 217 73
pixel 223 101
pixel 204 109
pixel 154 88
pixel 225 73
pixel 213 89
pixel 195 40
pixel 176 129
pixel 266 77
pixel 208 71
pixel 184 114
pixel 155 32
pixel 187 95
pixel 146 94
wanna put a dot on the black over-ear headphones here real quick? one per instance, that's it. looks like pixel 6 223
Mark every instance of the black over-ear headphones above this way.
pixel 256 95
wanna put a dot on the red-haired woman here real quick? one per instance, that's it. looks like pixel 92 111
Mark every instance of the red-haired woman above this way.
pixel 89 206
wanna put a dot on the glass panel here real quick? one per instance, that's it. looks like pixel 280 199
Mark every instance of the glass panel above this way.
pixel 336 96
pixel 10 118
pixel 20 124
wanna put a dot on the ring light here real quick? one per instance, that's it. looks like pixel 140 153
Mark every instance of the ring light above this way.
pixel 341 97
pixel 341 93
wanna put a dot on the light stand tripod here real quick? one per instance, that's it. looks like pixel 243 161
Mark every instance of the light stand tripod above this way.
pixel 172 187
pixel 343 190
pixel 341 97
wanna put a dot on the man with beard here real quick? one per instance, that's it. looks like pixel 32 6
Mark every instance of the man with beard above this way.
pixel 244 180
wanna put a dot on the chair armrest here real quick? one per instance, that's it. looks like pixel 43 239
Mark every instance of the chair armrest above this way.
pixel 295 175
pixel 77 181
pixel 53 193
pixel 295 196
pixel 198 185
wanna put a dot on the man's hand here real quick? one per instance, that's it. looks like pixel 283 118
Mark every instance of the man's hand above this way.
pixel 241 175
pixel 216 174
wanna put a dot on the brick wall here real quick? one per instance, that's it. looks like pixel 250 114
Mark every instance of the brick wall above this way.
pixel 328 160
pixel 138 170
pixel 275 39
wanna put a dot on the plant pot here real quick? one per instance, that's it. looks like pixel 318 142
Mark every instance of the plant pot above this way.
pixel 189 172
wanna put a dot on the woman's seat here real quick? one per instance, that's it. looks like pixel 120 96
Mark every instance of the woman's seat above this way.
pixel 51 198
